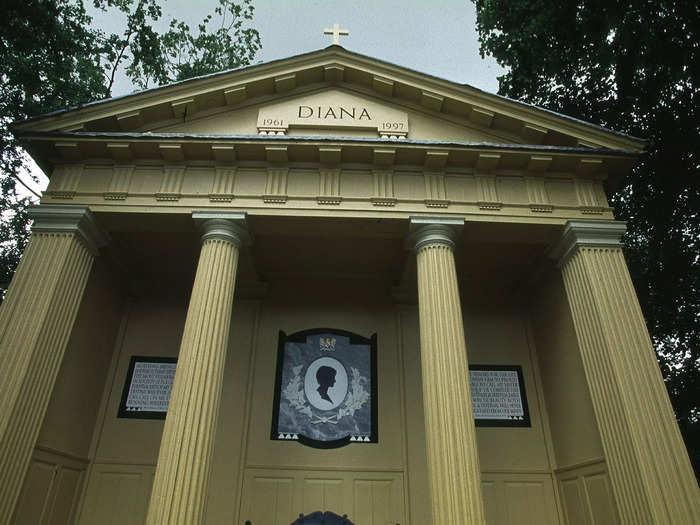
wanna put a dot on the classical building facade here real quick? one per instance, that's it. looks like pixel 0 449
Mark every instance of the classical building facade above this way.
pixel 330 195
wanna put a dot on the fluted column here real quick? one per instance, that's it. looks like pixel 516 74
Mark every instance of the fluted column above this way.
pixel 184 460
pixel 36 320
pixel 651 476
pixel 453 463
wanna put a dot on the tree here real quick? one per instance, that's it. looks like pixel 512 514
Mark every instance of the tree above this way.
pixel 631 66
pixel 52 58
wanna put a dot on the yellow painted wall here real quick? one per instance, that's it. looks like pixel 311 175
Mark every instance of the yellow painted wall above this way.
pixel 270 482
pixel 517 481
pixel 366 481
pixel 154 328
pixel 580 467
pixel 516 463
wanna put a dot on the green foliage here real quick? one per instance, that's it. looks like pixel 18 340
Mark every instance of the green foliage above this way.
pixel 153 58
pixel 631 66
pixel 47 63
pixel 183 54
pixel 53 58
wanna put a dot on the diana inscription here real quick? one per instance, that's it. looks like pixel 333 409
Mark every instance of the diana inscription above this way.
pixel 333 109
pixel 337 113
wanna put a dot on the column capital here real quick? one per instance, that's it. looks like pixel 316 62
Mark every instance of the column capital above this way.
pixel 587 233
pixel 434 231
pixel 57 218
pixel 229 226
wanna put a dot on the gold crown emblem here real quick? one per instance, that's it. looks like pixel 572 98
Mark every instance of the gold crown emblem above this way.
pixel 327 344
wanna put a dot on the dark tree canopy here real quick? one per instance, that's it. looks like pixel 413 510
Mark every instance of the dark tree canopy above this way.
pixel 52 58
pixel 631 66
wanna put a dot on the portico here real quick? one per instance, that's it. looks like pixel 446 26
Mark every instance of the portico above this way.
pixel 460 228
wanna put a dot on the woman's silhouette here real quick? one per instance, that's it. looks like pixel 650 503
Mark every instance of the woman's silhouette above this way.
pixel 325 375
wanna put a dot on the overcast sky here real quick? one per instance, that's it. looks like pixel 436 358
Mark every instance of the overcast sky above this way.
pixel 436 37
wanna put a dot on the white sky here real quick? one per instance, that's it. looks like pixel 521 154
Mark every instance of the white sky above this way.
pixel 437 37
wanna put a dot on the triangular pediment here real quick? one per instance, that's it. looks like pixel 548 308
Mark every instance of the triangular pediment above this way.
pixel 338 112
pixel 334 80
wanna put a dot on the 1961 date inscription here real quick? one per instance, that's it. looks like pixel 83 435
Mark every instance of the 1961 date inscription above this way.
pixel 277 122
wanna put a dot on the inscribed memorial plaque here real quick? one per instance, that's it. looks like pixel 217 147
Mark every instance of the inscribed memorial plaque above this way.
pixel 147 390
pixel 325 388
pixel 498 396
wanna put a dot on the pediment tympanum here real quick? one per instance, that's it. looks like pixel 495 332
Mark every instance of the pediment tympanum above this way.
pixel 337 112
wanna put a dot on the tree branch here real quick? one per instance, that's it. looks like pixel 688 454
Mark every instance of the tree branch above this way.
pixel 16 177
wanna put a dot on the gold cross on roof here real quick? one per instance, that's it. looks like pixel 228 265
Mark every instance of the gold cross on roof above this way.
pixel 336 32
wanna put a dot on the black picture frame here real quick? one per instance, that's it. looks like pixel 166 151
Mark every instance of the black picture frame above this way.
pixel 301 337
pixel 525 422
pixel 142 414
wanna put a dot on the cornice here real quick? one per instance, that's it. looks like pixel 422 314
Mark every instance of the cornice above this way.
pixel 75 147
pixel 204 137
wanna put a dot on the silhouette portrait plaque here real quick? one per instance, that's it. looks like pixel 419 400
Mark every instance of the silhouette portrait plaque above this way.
pixel 498 396
pixel 325 388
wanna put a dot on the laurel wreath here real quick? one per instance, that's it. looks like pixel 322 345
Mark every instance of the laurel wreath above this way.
pixel 357 397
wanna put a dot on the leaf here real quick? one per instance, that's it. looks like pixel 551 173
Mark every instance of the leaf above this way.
pixel 53 58
pixel 632 66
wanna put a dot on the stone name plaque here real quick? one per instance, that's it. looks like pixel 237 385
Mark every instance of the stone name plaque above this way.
pixel 332 109
pixel 147 389
pixel 498 396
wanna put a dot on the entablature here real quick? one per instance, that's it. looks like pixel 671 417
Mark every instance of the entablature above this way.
pixel 301 175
